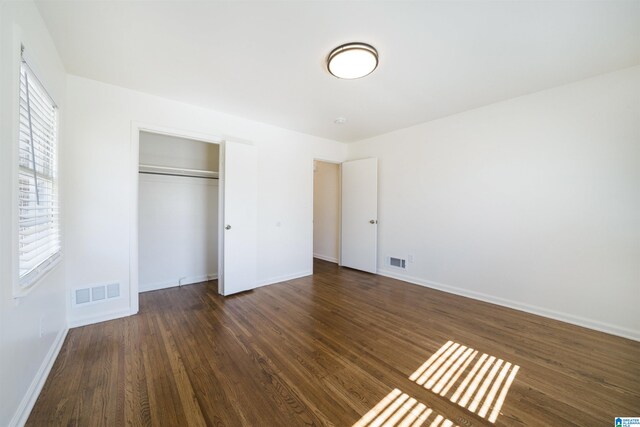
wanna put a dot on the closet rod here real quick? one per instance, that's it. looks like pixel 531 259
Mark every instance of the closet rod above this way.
pixel 170 171
pixel 177 174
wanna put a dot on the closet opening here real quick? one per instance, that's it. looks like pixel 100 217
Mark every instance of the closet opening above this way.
pixel 178 186
pixel 326 211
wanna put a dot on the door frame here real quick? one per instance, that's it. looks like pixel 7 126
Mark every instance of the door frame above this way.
pixel 136 128
pixel 334 162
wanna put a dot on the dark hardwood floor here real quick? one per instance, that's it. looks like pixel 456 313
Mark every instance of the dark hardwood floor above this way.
pixel 338 348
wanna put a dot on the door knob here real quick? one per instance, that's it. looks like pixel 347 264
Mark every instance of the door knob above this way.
pixel 373 221
pixel 228 227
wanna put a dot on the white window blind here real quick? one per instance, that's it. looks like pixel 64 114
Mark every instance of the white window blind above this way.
pixel 38 219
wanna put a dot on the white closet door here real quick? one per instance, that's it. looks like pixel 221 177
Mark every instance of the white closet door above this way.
pixel 240 223
pixel 360 215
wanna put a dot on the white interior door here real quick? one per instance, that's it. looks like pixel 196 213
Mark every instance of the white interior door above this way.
pixel 360 214
pixel 240 218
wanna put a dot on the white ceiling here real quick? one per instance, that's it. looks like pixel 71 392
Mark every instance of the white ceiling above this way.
pixel 265 60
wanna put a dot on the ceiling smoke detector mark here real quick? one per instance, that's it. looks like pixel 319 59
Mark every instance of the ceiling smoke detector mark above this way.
pixel 340 121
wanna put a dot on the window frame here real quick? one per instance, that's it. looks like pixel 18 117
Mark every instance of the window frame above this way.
pixel 22 285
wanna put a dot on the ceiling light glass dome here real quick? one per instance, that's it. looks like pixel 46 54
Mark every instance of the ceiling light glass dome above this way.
pixel 352 60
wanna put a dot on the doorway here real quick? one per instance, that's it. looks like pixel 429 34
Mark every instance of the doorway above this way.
pixel 178 195
pixel 237 206
pixel 326 211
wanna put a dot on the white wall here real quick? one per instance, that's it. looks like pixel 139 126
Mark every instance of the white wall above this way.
pixel 326 210
pixel 98 159
pixel 532 203
pixel 177 231
pixel 168 150
pixel 26 351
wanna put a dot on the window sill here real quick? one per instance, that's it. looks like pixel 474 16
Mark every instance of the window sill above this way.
pixel 22 291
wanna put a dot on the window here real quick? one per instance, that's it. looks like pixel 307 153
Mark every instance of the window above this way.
pixel 38 220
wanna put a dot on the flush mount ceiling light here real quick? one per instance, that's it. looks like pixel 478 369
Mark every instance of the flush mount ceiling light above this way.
pixel 352 60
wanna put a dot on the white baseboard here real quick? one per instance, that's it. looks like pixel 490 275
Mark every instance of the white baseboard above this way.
pixel 172 283
pixel 29 399
pixel 326 258
pixel 102 317
pixel 284 278
pixel 564 317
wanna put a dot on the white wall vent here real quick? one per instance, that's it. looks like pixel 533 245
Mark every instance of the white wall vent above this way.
pixel 397 262
pixel 113 290
pixel 95 294
pixel 83 296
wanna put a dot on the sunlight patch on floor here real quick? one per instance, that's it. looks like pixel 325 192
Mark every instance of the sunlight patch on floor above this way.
pixel 482 390
pixel 398 409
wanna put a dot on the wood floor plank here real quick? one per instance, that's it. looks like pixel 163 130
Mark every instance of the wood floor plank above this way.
pixel 183 383
pixel 330 348
pixel 137 412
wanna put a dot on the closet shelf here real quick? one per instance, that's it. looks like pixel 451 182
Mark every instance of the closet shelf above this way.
pixel 166 170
